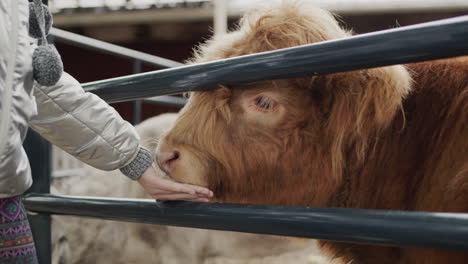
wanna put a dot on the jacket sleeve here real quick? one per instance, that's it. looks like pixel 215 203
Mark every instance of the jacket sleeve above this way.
pixel 84 125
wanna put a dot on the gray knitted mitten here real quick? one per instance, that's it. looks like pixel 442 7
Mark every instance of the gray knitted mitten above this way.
pixel 142 161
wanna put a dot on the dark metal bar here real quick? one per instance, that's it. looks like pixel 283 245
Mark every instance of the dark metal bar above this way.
pixel 390 228
pixel 136 66
pixel 39 155
pixel 137 104
pixel 137 111
pixel 82 41
pixel 167 100
pixel 427 41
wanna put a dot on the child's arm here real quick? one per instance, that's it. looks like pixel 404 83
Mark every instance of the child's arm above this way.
pixel 88 128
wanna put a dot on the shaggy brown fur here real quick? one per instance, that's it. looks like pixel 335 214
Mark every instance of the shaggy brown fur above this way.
pixel 385 138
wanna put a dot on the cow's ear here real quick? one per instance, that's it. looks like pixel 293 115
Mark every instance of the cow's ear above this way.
pixel 382 94
pixel 366 99
pixel 364 103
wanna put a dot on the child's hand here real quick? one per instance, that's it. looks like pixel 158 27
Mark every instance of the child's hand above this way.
pixel 162 187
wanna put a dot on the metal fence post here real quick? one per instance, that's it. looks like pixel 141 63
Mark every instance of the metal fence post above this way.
pixel 138 103
pixel 39 154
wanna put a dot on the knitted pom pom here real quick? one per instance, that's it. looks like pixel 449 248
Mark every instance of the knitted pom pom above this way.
pixel 47 65
pixel 34 27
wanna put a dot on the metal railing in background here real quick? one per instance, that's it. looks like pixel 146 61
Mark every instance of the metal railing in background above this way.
pixel 94 44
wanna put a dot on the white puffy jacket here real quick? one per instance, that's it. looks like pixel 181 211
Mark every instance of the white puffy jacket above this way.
pixel 78 122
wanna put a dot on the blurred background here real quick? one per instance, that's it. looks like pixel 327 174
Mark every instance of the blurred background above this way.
pixel 172 28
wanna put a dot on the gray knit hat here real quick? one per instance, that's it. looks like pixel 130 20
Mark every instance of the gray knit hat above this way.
pixel 47 64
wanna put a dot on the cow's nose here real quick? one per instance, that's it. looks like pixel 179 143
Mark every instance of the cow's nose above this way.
pixel 166 158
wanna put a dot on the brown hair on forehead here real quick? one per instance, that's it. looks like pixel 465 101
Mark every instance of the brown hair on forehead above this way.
pixel 272 27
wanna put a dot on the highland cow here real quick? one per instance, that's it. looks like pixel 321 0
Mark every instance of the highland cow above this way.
pixel 384 138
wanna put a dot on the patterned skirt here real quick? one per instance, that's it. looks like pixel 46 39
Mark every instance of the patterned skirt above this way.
pixel 16 241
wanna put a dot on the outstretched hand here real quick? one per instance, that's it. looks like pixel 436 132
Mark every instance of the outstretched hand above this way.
pixel 162 187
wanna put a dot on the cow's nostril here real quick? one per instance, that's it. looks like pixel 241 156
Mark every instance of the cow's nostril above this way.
pixel 175 157
pixel 172 156
pixel 165 159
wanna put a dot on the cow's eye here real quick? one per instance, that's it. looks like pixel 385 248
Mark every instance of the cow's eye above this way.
pixel 264 103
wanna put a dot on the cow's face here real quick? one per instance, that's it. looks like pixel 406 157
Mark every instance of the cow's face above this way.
pixel 284 141
pixel 244 142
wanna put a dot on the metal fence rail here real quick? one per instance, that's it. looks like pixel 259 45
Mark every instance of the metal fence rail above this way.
pixel 434 40
pixel 390 228
pixel 90 43
pixel 167 100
